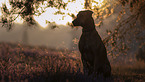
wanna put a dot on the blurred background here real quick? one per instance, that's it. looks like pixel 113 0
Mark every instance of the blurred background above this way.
pixel 37 38
pixel 48 23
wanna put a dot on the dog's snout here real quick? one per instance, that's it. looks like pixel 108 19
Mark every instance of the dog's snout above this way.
pixel 74 22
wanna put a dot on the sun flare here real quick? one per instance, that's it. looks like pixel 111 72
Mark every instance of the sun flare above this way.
pixel 97 3
pixel 72 7
pixel 60 19
pixel 19 18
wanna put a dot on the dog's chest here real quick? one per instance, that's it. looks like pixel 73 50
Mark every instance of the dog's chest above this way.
pixel 86 42
pixel 87 39
pixel 85 46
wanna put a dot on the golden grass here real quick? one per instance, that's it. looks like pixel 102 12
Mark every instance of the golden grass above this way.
pixel 19 63
pixel 129 73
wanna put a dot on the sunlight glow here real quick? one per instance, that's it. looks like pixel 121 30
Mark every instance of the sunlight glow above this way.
pixel 97 3
pixel 6 2
pixel 72 7
pixel 19 18
pixel 0 13
pixel 1 2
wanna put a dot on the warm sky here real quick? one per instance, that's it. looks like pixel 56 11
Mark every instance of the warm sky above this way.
pixel 48 15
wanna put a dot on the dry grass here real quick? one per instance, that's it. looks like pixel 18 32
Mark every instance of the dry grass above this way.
pixel 39 64
pixel 129 73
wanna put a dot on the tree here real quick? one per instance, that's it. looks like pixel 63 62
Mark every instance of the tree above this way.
pixel 26 9
pixel 25 36
pixel 126 31
pixel 130 12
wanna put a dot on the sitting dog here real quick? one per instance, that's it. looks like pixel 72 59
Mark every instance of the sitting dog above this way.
pixel 91 47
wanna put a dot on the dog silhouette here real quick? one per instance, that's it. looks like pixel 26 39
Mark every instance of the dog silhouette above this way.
pixel 91 47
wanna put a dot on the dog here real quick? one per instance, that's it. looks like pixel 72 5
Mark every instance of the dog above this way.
pixel 91 47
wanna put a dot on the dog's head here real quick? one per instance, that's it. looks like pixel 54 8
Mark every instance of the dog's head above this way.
pixel 83 18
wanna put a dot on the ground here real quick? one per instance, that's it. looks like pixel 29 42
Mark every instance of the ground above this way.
pixel 40 64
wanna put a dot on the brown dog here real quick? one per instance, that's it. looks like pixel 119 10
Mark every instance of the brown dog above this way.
pixel 91 47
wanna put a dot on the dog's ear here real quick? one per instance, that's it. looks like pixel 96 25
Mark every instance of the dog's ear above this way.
pixel 89 12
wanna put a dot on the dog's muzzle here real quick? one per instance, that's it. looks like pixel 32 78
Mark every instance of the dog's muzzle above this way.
pixel 76 23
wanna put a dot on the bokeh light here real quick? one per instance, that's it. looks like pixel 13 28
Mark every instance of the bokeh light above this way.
pixel 72 7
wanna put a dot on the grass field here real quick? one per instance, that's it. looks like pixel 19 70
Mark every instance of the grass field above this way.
pixel 21 63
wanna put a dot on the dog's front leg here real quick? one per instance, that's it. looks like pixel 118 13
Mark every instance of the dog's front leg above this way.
pixel 85 66
pixel 98 62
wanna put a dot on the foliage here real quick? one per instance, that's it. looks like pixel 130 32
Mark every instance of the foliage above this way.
pixel 127 29
pixel 118 40
pixel 26 9
pixel 140 54
pixel 19 62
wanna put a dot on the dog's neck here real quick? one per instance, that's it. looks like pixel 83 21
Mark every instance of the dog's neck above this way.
pixel 88 28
